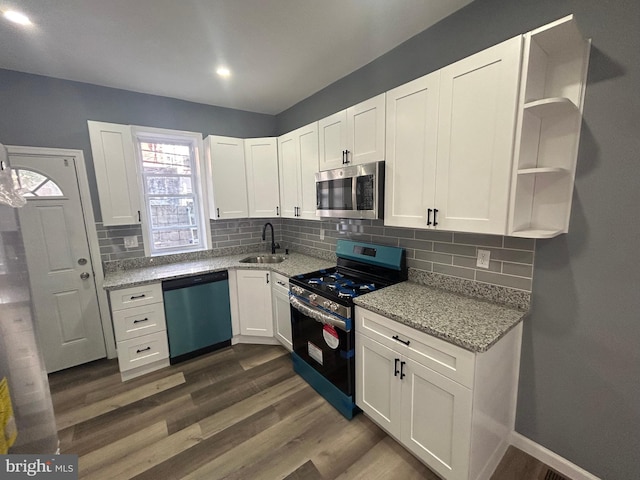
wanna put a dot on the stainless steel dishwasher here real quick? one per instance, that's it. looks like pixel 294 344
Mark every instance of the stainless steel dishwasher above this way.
pixel 198 315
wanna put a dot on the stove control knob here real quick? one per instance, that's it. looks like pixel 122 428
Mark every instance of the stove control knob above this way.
pixel 313 297
pixel 296 289
pixel 333 306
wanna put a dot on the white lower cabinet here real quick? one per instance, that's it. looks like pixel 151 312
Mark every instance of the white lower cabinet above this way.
pixel 281 310
pixel 254 303
pixel 140 329
pixel 427 394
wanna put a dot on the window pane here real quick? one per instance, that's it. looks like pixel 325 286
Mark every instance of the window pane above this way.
pixel 169 185
pixel 172 212
pixel 166 158
pixel 178 237
pixel 34 184
pixel 49 189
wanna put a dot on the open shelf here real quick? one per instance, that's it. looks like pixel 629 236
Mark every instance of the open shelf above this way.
pixel 541 170
pixel 536 233
pixel 549 107
pixel 550 117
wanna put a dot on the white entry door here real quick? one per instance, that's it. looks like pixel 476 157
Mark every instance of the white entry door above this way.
pixel 63 290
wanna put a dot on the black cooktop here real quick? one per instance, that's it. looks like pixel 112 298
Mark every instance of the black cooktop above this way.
pixel 333 283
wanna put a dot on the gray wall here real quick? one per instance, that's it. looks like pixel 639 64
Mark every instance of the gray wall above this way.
pixel 40 111
pixel 580 373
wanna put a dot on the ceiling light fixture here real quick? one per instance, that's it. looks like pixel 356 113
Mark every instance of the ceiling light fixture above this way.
pixel 17 17
pixel 223 72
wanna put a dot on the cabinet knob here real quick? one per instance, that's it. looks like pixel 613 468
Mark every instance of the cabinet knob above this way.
pixel 395 368
pixel 435 211
pixel 428 216
pixel 402 374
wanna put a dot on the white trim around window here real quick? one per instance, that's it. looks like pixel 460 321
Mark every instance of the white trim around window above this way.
pixel 201 210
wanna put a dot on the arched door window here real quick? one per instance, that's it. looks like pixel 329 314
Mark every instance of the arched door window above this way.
pixel 34 184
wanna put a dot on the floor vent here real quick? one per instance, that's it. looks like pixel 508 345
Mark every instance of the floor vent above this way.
pixel 552 475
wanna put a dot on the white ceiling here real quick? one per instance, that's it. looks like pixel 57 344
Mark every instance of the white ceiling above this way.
pixel 280 51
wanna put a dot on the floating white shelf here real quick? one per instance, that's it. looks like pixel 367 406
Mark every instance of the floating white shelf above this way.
pixel 537 170
pixel 536 233
pixel 548 107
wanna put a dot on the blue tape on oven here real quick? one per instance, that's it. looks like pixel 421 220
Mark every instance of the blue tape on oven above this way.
pixel 347 321
pixel 347 354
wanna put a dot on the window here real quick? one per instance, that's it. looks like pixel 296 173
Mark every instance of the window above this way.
pixel 174 216
pixel 34 184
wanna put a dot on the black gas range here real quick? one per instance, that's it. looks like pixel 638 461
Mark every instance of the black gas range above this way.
pixel 322 314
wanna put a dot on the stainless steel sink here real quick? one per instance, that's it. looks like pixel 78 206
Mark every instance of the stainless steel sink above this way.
pixel 264 259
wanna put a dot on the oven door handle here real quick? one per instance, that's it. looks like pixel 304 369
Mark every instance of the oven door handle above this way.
pixel 317 314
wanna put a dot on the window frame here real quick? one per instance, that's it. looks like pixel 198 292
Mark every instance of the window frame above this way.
pixel 194 140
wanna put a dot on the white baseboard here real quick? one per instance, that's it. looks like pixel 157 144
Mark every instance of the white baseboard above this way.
pixel 555 461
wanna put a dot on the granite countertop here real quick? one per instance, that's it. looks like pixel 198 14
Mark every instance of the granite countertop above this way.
pixel 294 264
pixel 470 323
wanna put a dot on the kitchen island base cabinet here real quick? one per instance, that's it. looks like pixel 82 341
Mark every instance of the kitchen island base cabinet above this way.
pixel 452 408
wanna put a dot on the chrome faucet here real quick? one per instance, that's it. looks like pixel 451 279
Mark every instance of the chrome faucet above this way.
pixel 274 245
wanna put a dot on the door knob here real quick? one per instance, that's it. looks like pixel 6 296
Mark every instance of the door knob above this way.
pixel 84 275
pixel 82 261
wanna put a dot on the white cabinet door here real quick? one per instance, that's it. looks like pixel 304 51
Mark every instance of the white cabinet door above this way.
pixel 227 176
pixel 261 158
pixel 254 302
pixel 477 115
pixel 332 132
pixel 298 164
pixel 289 166
pixel 116 174
pixel 281 311
pixel 366 131
pixel 436 421
pixel 308 154
pixel 412 127
pixel 353 136
pixel 378 386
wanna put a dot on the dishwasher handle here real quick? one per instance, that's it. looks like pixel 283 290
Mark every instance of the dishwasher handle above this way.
pixel 195 280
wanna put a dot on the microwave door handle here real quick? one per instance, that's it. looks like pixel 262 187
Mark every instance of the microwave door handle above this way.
pixel 354 194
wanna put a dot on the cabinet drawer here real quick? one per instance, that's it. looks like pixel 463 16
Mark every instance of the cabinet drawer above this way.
pixel 135 296
pixel 449 360
pixel 280 283
pixel 137 321
pixel 140 351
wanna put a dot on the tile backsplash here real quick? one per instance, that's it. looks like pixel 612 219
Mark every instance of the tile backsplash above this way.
pixel 436 258
pixel 224 234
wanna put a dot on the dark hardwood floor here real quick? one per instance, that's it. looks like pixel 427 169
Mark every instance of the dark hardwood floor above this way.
pixel 239 413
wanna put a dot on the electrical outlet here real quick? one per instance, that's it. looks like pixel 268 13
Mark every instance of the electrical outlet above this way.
pixel 483 258
pixel 131 242
pixel 322 234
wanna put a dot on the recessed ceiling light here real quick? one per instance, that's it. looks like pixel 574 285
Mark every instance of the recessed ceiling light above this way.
pixel 17 17
pixel 223 72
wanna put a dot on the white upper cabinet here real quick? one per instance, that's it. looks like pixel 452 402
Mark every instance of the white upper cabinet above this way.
pixel 353 136
pixel 298 164
pixel 226 177
pixel 116 174
pixel 412 127
pixel 450 143
pixel 549 120
pixel 476 129
pixel 261 158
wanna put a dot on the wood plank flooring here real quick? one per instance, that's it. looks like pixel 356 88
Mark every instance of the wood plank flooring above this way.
pixel 239 413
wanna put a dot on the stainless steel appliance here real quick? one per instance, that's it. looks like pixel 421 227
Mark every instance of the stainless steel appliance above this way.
pixel 27 421
pixel 322 314
pixel 356 191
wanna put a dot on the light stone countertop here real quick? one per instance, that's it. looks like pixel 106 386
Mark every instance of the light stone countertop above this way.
pixel 294 264
pixel 470 323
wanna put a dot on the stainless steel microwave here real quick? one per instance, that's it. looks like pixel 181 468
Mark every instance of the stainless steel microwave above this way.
pixel 355 191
